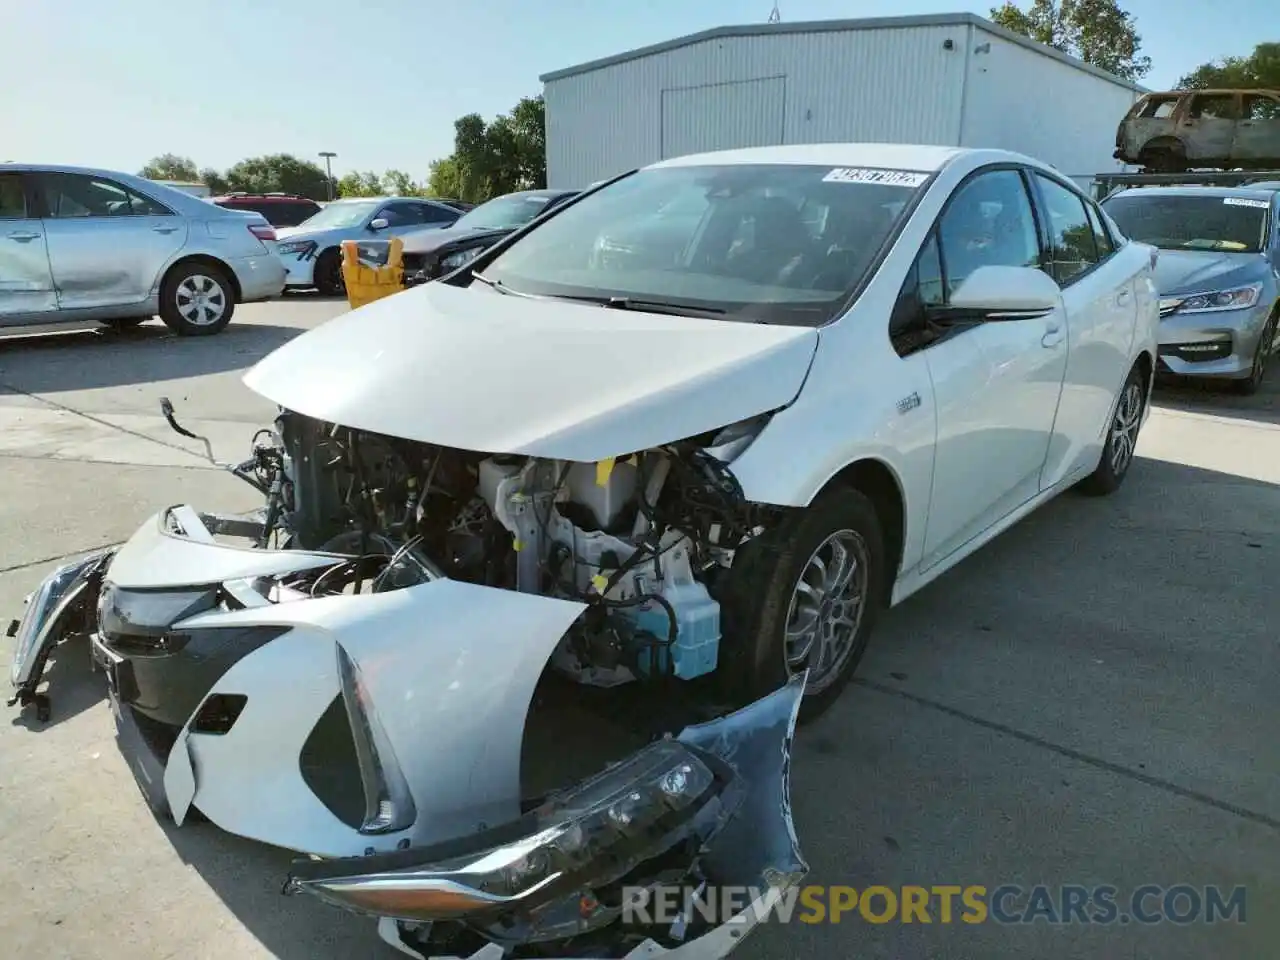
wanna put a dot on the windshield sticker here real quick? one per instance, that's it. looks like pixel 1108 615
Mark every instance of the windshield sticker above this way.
pixel 1244 202
pixel 893 178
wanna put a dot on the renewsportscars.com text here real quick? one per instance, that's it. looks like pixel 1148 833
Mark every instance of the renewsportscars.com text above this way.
pixel 942 903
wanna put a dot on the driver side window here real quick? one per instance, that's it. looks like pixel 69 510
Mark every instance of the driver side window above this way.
pixel 989 221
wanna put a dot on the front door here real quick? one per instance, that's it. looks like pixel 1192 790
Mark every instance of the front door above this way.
pixel 1208 126
pixel 107 244
pixel 997 384
pixel 26 282
pixel 1258 133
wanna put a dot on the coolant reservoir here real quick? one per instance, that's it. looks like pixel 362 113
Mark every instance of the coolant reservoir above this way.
pixel 697 646
pixel 603 488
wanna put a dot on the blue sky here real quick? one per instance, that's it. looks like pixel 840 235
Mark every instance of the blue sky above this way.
pixel 380 82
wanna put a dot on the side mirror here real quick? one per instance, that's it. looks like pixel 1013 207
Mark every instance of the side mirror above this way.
pixel 1005 293
pixel 379 223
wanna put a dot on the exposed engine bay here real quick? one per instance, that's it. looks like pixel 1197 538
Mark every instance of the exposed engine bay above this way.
pixel 643 540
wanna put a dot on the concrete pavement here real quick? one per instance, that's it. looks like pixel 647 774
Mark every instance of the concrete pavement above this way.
pixel 1090 699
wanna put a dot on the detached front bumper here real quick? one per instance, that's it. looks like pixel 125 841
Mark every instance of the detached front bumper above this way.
pixel 1219 344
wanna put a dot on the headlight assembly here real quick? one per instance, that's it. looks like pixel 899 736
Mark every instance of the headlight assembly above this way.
pixel 603 826
pixel 296 246
pixel 462 257
pixel 1235 298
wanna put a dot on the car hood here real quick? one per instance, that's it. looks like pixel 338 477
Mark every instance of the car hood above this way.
pixel 1201 271
pixel 320 236
pixel 429 241
pixel 478 370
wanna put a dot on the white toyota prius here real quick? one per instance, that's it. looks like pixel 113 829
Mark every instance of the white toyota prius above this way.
pixel 682 439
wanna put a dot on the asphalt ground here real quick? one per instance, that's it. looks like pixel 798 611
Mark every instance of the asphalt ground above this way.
pixel 1089 700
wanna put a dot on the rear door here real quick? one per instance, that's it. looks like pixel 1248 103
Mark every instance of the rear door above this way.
pixel 107 243
pixel 1208 126
pixel 1258 132
pixel 1098 295
pixel 26 282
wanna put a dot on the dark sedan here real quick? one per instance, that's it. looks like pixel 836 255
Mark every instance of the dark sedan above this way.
pixel 429 254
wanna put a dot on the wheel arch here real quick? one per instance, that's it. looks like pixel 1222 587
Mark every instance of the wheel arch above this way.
pixel 207 260
pixel 880 484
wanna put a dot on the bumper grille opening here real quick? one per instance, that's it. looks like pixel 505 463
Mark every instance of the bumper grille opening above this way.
pixel 219 713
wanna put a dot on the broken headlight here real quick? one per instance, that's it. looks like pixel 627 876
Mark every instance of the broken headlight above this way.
pixel 149 613
pixel 589 835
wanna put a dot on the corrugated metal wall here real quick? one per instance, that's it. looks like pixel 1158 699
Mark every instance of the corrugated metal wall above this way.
pixel 895 85
pixel 1020 100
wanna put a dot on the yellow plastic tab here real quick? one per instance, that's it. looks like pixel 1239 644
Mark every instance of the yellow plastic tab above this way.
pixel 366 284
pixel 517 545
pixel 600 581
pixel 604 469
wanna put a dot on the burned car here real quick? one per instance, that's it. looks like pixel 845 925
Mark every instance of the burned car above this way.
pixel 666 469
pixel 1176 131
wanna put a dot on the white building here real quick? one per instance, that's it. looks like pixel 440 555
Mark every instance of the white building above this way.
pixel 951 79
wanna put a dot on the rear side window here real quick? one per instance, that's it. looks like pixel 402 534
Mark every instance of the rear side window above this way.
pixel 435 214
pixel 1158 108
pixel 1258 107
pixel 1213 106
pixel 71 195
pixel 1101 238
pixel 13 200
pixel 1073 249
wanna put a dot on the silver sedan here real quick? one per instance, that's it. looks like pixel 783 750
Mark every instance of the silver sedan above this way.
pixel 1218 274
pixel 82 247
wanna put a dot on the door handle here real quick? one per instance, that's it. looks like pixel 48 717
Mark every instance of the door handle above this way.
pixel 24 237
pixel 1052 337
pixel 164 229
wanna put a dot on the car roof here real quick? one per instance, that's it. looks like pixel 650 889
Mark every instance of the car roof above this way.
pixel 924 158
pixel 1243 193
pixel 262 196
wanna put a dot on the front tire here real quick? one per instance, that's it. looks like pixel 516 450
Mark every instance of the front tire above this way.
pixel 1251 384
pixel 196 300
pixel 327 274
pixel 805 595
pixel 1122 438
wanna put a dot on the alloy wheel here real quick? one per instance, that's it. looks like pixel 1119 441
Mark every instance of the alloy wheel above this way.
pixel 1124 428
pixel 826 609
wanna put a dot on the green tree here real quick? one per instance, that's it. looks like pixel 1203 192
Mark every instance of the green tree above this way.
pixel 400 184
pixel 279 172
pixel 443 179
pixel 356 184
pixel 1096 31
pixel 489 159
pixel 215 181
pixel 1260 69
pixel 170 166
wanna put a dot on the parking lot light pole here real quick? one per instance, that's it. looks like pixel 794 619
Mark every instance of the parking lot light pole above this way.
pixel 328 171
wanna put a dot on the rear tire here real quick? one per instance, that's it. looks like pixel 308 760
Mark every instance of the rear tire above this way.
pixel 1122 438
pixel 327 275
pixel 196 300
pixel 789 578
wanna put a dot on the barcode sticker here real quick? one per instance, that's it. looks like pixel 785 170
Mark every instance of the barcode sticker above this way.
pixel 1246 202
pixel 893 178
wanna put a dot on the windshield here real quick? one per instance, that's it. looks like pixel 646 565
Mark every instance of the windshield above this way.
pixel 782 243
pixel 1227 224
pixel 337 215
pixel 503 213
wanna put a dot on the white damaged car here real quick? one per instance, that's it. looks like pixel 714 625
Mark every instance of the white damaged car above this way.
pixel 675 445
